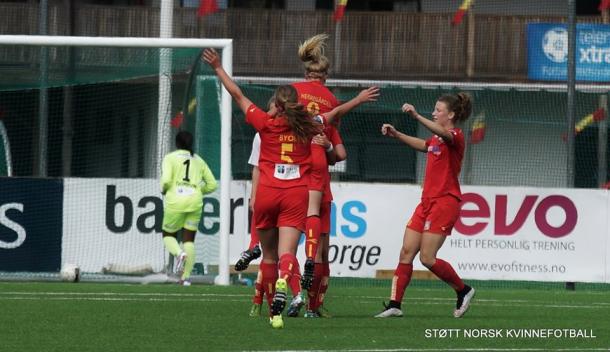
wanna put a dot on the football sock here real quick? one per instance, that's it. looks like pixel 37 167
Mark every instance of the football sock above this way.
pixel 323 284
pixel 312 235
pixel 269 273
pixel 445 272
pixel 189 248
pixel 258 288
pixel 295 281
pixel 400 281
pixel 288 261
pixel 313 292
pixel 172 246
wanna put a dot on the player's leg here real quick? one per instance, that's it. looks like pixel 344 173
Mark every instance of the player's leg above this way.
pixel 257 299
pixel 297 301
pixel 191 221
pixel 317 185
pixel 253 252
pixel 317 291
pixel 172 223
pixel 402 274
pixel 443 214
pixel 325 215
pixel 325 274
pixel 312 237
pixel 268 266
pixel 293 205
pixel 265 217
pixel 188 242
pixel 411 244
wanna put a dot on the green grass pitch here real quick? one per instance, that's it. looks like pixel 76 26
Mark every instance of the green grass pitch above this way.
pixel 127 317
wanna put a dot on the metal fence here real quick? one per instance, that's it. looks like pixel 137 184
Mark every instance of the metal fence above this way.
pixel 373 45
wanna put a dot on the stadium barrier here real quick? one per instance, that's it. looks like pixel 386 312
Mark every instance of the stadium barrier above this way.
pixel 504 233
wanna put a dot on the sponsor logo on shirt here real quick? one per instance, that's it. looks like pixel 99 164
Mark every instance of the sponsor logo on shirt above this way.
pixel 434 149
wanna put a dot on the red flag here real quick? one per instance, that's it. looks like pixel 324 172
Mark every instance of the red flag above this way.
pixel 586 121
pixel 459 14
pixel 604 5
pixel 599 114
pixel 207 7
pixel 177 120
pixel 589 119
pixel 340 11
pixel 477 132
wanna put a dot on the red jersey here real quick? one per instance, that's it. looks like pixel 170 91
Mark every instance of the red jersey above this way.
pixel 443 166
pixel 316 98
pixel 283 161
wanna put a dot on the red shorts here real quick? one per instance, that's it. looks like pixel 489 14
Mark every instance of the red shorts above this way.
pixel 319 169
pixel 276 207
pixel 325 217
pixel 435 215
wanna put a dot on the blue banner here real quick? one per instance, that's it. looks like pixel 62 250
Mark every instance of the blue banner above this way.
pixel 547 45
pixel 31 224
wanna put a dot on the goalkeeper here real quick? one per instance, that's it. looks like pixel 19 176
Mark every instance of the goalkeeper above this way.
pixel 185 179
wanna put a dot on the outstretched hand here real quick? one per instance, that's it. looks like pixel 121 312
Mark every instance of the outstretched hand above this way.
pixel 211 57
pixel 369 94
pixel 409 109
pixel 389 130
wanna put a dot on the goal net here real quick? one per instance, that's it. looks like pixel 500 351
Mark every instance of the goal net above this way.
pixel 84 124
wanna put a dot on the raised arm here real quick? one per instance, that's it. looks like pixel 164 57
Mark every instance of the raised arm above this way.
pixel 211 57
pixel 365 96
pixel 429 124
pixel 413 142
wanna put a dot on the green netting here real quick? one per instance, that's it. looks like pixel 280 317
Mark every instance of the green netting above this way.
pixel 21 65
pixel 524 143
pixel 102 107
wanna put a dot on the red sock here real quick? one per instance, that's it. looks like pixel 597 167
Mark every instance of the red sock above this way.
pixel 295 281
pixel 269 271
pixel 258 288
pixel 323 284
pixel 400 281
pixel 445 272
pixel 312 235
pixel 253 234
pixel 314 291
pixel 288 262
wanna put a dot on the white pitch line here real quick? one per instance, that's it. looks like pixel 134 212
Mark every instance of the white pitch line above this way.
pixel 441 349
pixel 125 294
pixel 193 297
pixel 120 299
pixel 169 294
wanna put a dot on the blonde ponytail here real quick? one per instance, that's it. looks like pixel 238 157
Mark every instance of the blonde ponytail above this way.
pixel 311 53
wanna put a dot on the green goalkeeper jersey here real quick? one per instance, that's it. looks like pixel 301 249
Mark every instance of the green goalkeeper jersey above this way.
pixel 185 178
